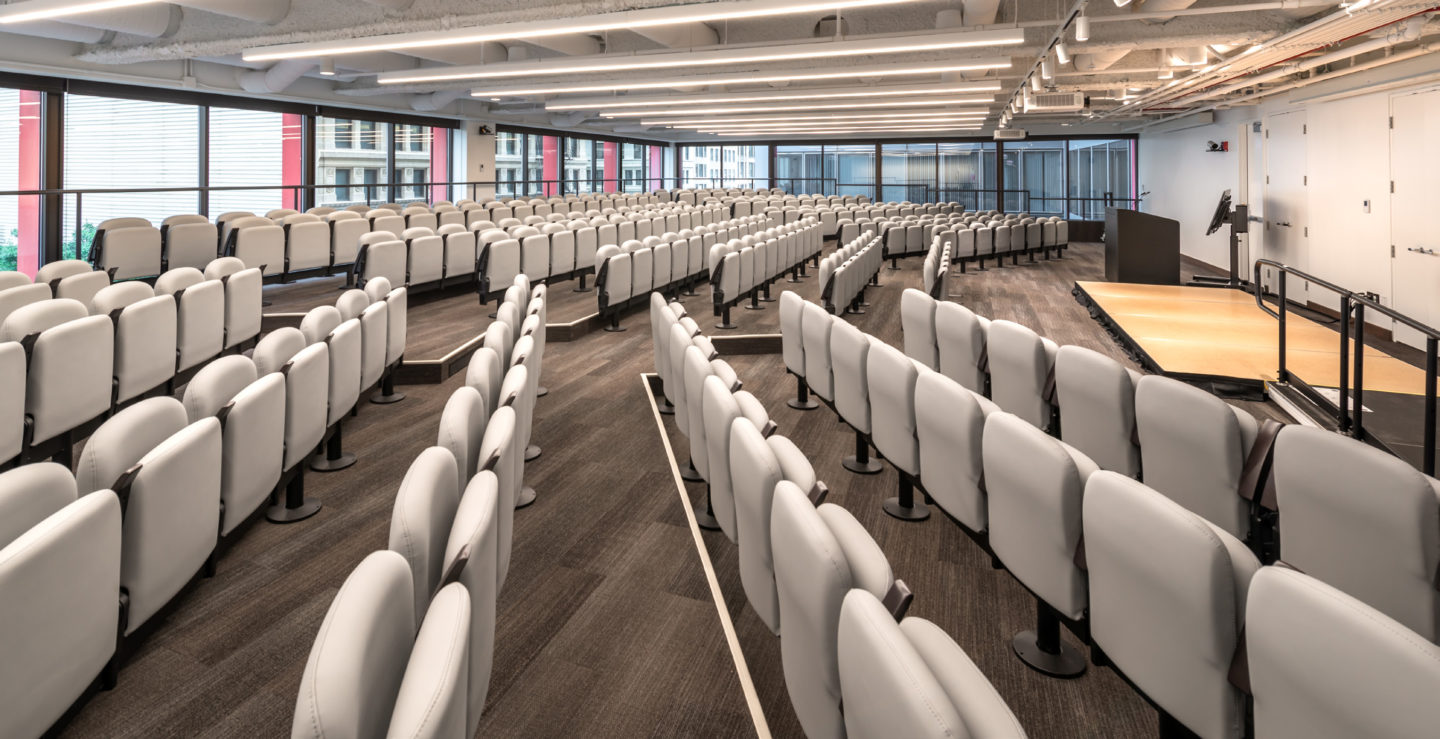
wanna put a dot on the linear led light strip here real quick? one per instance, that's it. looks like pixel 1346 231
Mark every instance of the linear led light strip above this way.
pixel 839 131
pixel 780 108
pixel 897 117
pixel 753 55
pixel 859 124
pixel 802 127
pixel 648 18
pixel 763 97
pixel 852 73
pixel 812 121
pixel 37 10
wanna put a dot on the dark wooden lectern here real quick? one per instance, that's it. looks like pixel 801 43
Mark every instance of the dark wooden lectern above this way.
pixel 1141 248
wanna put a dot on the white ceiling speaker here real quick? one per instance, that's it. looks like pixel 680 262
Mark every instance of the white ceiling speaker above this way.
pixel 1062 55
pixel 1082 28
pixel 327 67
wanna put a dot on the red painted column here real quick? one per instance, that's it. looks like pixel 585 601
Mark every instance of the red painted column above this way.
pixel 612 167
pixel 292 159
pixel 439 162
pixel 550 166
pixel 657 167
pixel 29 179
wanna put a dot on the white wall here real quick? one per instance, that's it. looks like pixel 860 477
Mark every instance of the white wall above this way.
pixel 1347 162
pixel 480 158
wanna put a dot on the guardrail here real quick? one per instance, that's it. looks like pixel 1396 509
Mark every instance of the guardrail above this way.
pixel 1354 306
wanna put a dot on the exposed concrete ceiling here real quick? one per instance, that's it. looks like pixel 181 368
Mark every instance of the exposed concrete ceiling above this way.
pixel 199 43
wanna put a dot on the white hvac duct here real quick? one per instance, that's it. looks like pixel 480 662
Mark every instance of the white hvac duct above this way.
pixel 62 32
pixel 255 11
pixel 151 21
pixel 566 120
pixel 1097 61
pixel 392 4
pixel 980 12
pixel 1160 6
pixel 433 101
pixel 277 78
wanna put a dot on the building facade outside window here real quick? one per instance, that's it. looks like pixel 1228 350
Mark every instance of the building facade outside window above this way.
pixel 355 146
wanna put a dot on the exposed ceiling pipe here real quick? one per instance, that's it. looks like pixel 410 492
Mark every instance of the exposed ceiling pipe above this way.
pixel 565 120
pixel 392 4
pixel 1406 55
pixel 485 53
pixel 573 45
pixel 1162 6
pixel 256 11
pixel 277 78
pixel 430 102
pixel 1400 33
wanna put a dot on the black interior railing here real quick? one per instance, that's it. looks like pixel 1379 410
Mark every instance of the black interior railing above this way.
pixel 1353 310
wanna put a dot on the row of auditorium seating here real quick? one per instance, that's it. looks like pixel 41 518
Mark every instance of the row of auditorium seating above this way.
pixel 811 572
pixel 935 274
pixel 77 348
pixel 160 490
pixel 747 264
pixel 407 646
pixel 1067 518
pixel 1011 236
pixel 848 270
pixel 559 251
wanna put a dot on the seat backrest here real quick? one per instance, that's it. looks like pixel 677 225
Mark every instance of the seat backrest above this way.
pixel 1022 363
pixel 1035 485
pixel 815 328
pixel 891 378
pixel 849 348
pixel 431 700
pixel 59 583
pixel 1362 520
pixel 420 522
pixel 20 296
pixel 757 464
pixel 1193 447
pixel 820 555
pixel 1155 570
pixel 358 661
pixel 499 449
pixel 470 560
pixel 1324 664
pixel 61 269
pixel 917 320
pixel 912 680
pixel 1096 396
pixel 950 427
pixel 462 425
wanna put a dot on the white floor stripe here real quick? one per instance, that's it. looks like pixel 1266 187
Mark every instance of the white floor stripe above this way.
pixel 747 685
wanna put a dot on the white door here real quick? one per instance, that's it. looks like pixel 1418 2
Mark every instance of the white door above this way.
pixel 1286 231
pixel 1415 181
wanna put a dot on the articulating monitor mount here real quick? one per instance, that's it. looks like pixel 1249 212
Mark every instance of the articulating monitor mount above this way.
pixel 1238 219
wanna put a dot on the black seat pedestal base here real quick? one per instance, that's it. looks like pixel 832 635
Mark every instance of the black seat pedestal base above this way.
pixel 860 462
pixel 335 457
pixel 1043 651
pixel 296 507
pixel 802 400
pixel 387 394
pixel 706 518
pixel 904 505
pixel 688 473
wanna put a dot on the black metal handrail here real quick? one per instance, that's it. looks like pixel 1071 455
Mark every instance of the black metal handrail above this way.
pixel 1353 307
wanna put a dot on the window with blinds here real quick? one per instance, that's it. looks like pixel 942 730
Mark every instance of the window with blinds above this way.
pixel 113 143
pixel 249 147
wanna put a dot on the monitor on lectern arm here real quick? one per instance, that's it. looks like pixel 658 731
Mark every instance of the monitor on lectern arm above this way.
pixel 1222 214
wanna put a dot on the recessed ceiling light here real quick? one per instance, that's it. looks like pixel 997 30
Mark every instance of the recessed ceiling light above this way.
pixel 917 103
pixel 661 84
pixel 717 57
pixel 627 20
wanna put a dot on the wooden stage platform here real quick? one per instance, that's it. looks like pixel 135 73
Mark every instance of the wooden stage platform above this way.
pixel 1218 334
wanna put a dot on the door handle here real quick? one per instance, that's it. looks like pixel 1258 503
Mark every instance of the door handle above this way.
pixel 1286 224
pixel 1421 250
